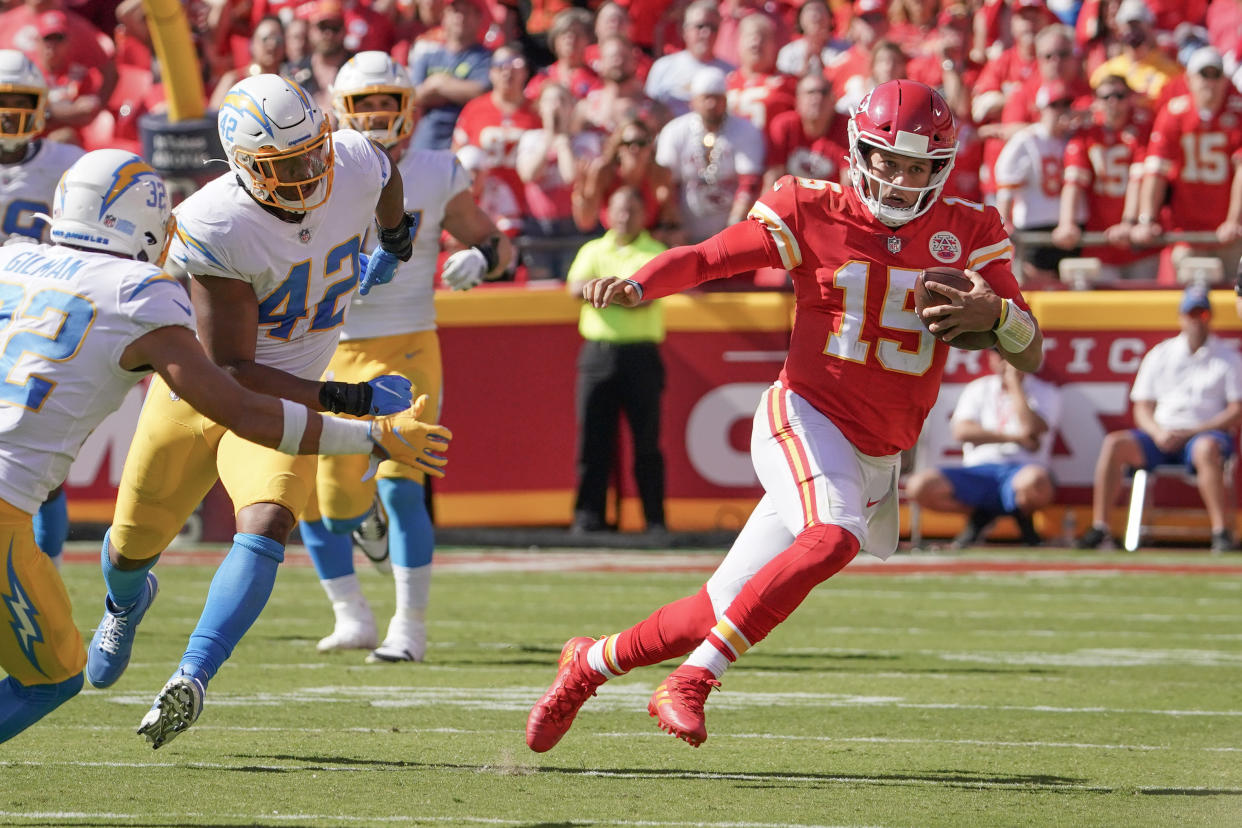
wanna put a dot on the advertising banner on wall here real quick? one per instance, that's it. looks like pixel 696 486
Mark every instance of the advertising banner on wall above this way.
pixel 510 368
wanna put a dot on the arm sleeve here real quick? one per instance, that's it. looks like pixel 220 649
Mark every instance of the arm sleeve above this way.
pixel 738 248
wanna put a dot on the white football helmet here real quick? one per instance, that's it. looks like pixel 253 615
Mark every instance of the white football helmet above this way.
pixel 20 122
pixel 278 142
pixel 112 200
pixel 374 73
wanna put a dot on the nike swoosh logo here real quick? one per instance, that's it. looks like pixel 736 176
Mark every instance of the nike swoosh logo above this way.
pixel 871 503
pixel 185 308
pixel 413 354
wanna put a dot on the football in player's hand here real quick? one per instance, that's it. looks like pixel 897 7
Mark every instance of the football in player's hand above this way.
pixel 926 297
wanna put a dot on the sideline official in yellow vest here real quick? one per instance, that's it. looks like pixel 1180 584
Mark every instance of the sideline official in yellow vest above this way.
pixel 619 369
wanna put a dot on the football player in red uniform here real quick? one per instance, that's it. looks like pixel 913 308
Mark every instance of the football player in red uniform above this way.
pixel 861 375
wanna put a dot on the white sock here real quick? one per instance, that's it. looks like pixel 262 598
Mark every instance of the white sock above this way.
pixel 413 587
pixel 598 657
pixel 709 658
pixel 344 589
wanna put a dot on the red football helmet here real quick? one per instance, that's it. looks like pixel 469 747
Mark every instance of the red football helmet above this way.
pixel 907 118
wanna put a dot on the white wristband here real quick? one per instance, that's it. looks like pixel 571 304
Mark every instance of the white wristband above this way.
pixel 1015 329
pixel 294 426
pixel 342 436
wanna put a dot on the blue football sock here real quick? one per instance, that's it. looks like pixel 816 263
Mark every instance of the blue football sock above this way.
pixel 237 595
pixel 411 538
pixel 51 525
pixel 330 552
pixel 125 586
pixel 22 705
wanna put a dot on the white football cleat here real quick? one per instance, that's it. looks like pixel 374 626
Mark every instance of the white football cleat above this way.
pixel 176 708
pixel 354 628
pixel 406 641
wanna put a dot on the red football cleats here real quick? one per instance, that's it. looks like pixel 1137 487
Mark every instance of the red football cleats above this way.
pixel 677 703
pixel 576 681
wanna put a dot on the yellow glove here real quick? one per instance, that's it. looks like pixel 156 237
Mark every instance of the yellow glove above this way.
pixel 404 438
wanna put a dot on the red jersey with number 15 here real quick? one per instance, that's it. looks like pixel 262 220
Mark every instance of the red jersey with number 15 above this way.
pixel 1198 158
pixel 858 352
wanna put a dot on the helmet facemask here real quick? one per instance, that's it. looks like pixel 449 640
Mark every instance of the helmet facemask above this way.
pixel 387 126
pixel 19 124
pixel 870 186
pixel 298 179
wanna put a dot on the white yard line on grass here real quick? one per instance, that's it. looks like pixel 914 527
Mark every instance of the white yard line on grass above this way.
pixel 276 816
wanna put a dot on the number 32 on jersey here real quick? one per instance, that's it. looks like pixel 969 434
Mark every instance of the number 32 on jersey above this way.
pixel 854 342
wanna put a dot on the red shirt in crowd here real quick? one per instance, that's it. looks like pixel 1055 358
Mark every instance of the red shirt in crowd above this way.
pixel 1102 161
pixel 482 124
pixel 759 98
pixel 789 146
pixel 1198 158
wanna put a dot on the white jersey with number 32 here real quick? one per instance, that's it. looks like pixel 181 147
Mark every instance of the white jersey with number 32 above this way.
pixel 66 317
pixel 303 274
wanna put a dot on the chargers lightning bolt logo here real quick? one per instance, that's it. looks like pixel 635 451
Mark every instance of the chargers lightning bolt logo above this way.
pixel 23 614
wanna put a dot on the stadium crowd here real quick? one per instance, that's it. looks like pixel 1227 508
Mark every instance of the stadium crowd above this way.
pixel 1116 118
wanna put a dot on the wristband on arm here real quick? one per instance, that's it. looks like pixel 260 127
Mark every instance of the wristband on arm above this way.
pixel 1014 328
pixel 346 398
pixel 397 240
pixel 490 248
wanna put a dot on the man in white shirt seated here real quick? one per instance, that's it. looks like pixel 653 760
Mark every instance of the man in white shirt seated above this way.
pixel 1187 400
pixel 1005 422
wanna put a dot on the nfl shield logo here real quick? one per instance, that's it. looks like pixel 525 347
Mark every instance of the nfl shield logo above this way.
pixel 304 235
pixel 894 245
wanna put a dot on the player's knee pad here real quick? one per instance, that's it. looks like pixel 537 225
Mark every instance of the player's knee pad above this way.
pixel 343 526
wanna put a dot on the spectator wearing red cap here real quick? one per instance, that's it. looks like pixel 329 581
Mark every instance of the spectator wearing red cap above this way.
pixel 849 71
pixel 1145 67
pixel 316 72
pixel 73 96
pixel 87 46
pixel 1028 180
pixel 1103 167
pixel 1193 169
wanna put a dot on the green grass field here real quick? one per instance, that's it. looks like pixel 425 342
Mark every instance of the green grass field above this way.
pixel 1074 698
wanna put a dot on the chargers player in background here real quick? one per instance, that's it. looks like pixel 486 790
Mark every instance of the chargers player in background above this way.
pixel 394 332
pixel 272 247
pixel 87 318
pixel 860 377
pixel 29 170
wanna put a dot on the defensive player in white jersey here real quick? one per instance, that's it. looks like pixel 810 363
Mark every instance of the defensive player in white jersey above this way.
pixel 394 332
pixel 84 319
pixel 273 250
pixel 29 170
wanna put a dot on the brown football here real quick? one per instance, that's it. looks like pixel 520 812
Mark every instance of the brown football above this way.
pixel 925 297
